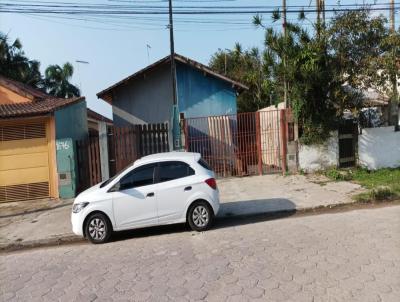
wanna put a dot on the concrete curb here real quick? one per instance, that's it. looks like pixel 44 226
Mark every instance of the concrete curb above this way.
pixel 65 239
pixel 47 242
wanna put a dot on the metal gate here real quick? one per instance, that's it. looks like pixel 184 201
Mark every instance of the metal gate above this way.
pixel 241 144
pixel 348 136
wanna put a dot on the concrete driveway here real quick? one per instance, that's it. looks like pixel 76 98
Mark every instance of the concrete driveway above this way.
pixel 271 193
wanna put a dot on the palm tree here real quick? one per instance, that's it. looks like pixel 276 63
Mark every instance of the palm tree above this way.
pixel 57 81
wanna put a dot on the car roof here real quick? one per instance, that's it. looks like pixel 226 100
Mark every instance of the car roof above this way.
pixel 175 155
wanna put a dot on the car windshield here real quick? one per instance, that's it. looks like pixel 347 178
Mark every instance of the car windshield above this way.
pixel 112 178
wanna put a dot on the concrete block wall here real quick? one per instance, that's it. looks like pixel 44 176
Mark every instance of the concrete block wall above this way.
pixel 379 148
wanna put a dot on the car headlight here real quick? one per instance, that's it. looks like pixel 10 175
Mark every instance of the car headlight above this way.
pixel 77 207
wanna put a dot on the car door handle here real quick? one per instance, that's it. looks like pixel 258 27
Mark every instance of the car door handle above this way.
pixel 187 188
pixel 150 194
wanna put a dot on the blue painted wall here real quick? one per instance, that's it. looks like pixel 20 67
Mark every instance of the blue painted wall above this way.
pixel 203 95
pixel 144 100
pixel 149 99
pixel 71 122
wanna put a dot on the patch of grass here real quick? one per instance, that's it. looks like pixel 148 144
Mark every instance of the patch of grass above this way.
pixel 339 175
pixel 381 177
pixel 383 184
pixel 380 193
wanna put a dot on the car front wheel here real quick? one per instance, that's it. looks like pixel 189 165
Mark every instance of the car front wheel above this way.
pixel 98 228
pixel 200 216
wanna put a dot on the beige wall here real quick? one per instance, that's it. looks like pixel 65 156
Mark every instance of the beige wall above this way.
pixel 27 161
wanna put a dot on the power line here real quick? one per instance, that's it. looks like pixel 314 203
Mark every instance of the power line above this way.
pixel 179 12
pixel 142 17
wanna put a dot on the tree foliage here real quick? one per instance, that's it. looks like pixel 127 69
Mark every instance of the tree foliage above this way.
pixel 57 81
pixel 16 66
pixel 355 49
pixel 247 67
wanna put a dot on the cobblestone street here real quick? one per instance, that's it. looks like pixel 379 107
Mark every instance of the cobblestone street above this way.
pixel 350 256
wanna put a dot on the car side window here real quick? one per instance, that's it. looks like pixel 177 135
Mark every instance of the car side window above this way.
pixel 139 177
pixel 173 170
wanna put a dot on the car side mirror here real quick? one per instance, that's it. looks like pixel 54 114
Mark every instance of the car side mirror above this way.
pixel 115 187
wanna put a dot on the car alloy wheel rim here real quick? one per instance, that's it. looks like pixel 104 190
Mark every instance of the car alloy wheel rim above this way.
pixel 97 229
pixel 200 216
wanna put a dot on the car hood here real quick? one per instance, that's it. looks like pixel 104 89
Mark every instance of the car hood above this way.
pixel 86 193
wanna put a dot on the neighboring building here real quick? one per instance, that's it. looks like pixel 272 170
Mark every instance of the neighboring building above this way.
pixel 32 123
pixel 94 122
pixel 146 96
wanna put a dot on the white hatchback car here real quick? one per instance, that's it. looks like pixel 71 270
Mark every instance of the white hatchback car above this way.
pixel 164 188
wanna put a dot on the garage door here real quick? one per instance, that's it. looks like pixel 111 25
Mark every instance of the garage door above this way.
pixel 24 162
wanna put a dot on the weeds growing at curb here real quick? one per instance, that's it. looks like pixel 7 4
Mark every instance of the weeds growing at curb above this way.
pixel 382 184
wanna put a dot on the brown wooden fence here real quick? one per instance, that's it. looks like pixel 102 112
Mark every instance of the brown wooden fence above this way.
pixel 88 155
pixel 125 145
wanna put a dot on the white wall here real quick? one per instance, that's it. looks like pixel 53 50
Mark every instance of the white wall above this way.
pixel 379 148
pixel 318 157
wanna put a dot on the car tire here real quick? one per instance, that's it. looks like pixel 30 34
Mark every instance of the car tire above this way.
pixel 98 228
pixel 200 216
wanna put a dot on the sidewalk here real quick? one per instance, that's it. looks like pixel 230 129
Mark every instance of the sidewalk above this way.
pixel 48 222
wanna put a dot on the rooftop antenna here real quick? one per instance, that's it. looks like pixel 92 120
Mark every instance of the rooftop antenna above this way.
pixel 148 47
pixel 79 75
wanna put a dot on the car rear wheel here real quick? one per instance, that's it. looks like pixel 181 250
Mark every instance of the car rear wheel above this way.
pixel 98 228
pixel 200 216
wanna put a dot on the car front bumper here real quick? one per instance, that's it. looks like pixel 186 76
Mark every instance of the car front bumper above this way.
pixel 77 223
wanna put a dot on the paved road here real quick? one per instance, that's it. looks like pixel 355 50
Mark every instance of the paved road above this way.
pixel 353 256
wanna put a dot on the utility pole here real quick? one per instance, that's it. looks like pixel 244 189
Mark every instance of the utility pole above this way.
pixel 285 84
pixel 393 103
pixel 392 26
pixel 320 12
pixel 171 41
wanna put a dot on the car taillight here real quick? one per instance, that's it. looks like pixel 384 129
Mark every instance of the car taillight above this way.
pixel 212 183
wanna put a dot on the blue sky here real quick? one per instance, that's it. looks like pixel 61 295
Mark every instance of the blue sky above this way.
pixel 116 48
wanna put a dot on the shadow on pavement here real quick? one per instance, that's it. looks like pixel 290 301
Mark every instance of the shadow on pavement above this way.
pixel 231 214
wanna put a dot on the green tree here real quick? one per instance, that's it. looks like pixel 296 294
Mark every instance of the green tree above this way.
pixel 325 71
pixel 313 85
pixel 57 81
pixel 247 67
pixel 15 65
pixel 365 52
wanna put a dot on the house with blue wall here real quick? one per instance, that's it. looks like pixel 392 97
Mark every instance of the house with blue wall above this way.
pixel 145 97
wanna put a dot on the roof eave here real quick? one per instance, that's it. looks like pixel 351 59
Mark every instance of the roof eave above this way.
pixel 106 94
